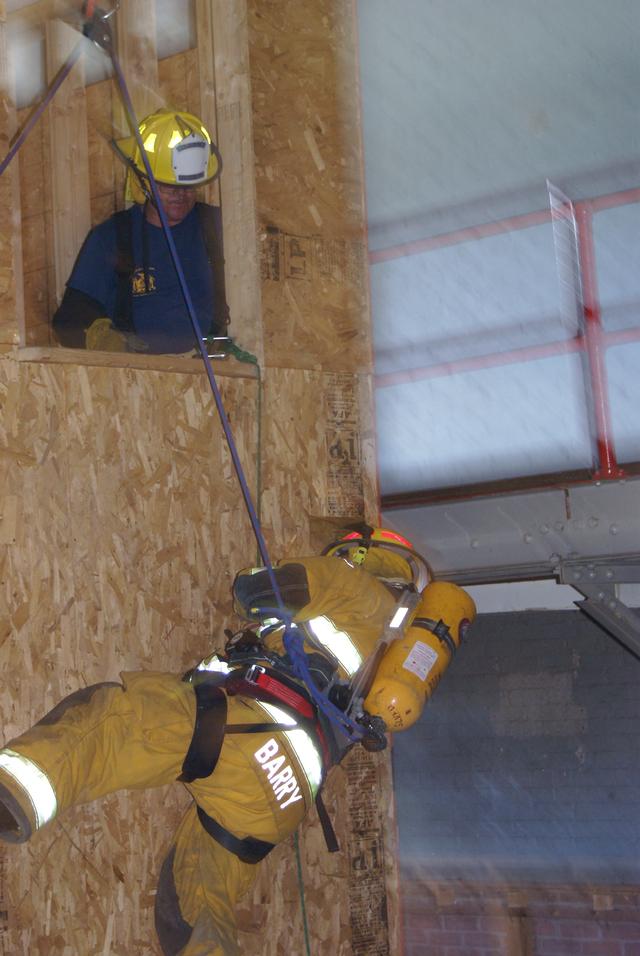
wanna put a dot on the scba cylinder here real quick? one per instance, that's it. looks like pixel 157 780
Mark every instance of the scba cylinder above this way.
pixel 412 665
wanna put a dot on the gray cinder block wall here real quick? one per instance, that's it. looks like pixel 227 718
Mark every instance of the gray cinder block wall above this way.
pixel 521 783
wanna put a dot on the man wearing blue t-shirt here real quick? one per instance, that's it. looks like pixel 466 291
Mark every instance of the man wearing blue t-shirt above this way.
pixel 123 293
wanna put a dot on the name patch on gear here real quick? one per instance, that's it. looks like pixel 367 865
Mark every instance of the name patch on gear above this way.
pixel 279 773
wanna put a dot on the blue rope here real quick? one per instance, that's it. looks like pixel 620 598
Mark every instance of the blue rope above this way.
pixel 293 641
pixel 294 646
pixel 131 118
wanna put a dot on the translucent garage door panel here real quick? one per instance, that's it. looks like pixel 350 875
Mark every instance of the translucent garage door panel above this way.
pixel 25 50
pixel 505 422
pixel 623 370
pixel 175 27
pixel 616 234
pixel 468 299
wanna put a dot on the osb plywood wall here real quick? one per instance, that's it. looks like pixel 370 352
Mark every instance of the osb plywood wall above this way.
pixel 10 234
pixel 122 520
pixel 121 525
pixel 309 184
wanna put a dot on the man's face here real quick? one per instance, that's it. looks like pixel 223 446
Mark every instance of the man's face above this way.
pixel 178 201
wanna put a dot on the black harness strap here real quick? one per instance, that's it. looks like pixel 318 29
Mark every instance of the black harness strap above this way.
pixel 248 850
pixel 439 628
pixel 211 225
pixel 256 728
pixel 211 725
pixel 208 733
pixel 202 757
pixel 210 218
pixel 123 317
pixel 328 832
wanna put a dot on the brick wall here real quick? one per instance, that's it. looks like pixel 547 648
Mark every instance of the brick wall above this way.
pixel 454 918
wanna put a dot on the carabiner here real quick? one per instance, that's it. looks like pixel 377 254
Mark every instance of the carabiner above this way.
pixel 97 27
pixel 89 10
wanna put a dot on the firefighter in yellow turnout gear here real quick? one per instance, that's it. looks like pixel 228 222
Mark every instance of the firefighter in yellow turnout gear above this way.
pixel 249 734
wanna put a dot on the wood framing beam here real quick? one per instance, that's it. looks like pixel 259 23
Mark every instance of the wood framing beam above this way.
pixel 71 213
pixel 11 281
pixel 207 82
pixel 35 14
pixel 230 84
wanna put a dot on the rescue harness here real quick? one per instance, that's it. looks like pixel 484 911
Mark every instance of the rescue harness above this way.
pixel 210 219
pixel 256 681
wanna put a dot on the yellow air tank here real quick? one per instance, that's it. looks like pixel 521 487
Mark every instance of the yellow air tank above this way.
pixel 412 665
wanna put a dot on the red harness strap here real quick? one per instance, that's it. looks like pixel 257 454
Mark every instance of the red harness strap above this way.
pixel 285 694
pixel 274 691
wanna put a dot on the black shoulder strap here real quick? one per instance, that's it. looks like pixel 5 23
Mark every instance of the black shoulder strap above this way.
pixel 208 733
pixel 328 832
pixel 211 225
pixel 123 317
pixel 249 849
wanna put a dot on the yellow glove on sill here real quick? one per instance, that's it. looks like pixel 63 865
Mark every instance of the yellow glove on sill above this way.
pixel 102 337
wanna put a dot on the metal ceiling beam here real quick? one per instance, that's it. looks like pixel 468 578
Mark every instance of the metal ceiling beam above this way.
pixel 614 616
pixel 595 579
pixel 577 572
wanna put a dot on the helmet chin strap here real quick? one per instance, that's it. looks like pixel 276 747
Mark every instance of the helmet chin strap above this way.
pixel 142 180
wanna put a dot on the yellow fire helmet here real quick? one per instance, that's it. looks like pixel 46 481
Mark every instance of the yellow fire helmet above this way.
pixel 383 553
pixel 179 149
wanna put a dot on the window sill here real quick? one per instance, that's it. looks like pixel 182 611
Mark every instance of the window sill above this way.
pixel 184 364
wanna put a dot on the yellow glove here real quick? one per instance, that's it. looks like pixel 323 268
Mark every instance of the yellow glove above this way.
pixel 102 337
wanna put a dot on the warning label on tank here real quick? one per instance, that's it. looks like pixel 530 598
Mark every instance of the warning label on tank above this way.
pixel 420 660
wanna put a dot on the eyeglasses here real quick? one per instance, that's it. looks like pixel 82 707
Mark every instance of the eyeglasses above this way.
pixel 170 188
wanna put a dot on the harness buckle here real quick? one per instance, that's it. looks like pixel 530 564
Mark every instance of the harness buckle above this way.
pixel 254 671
